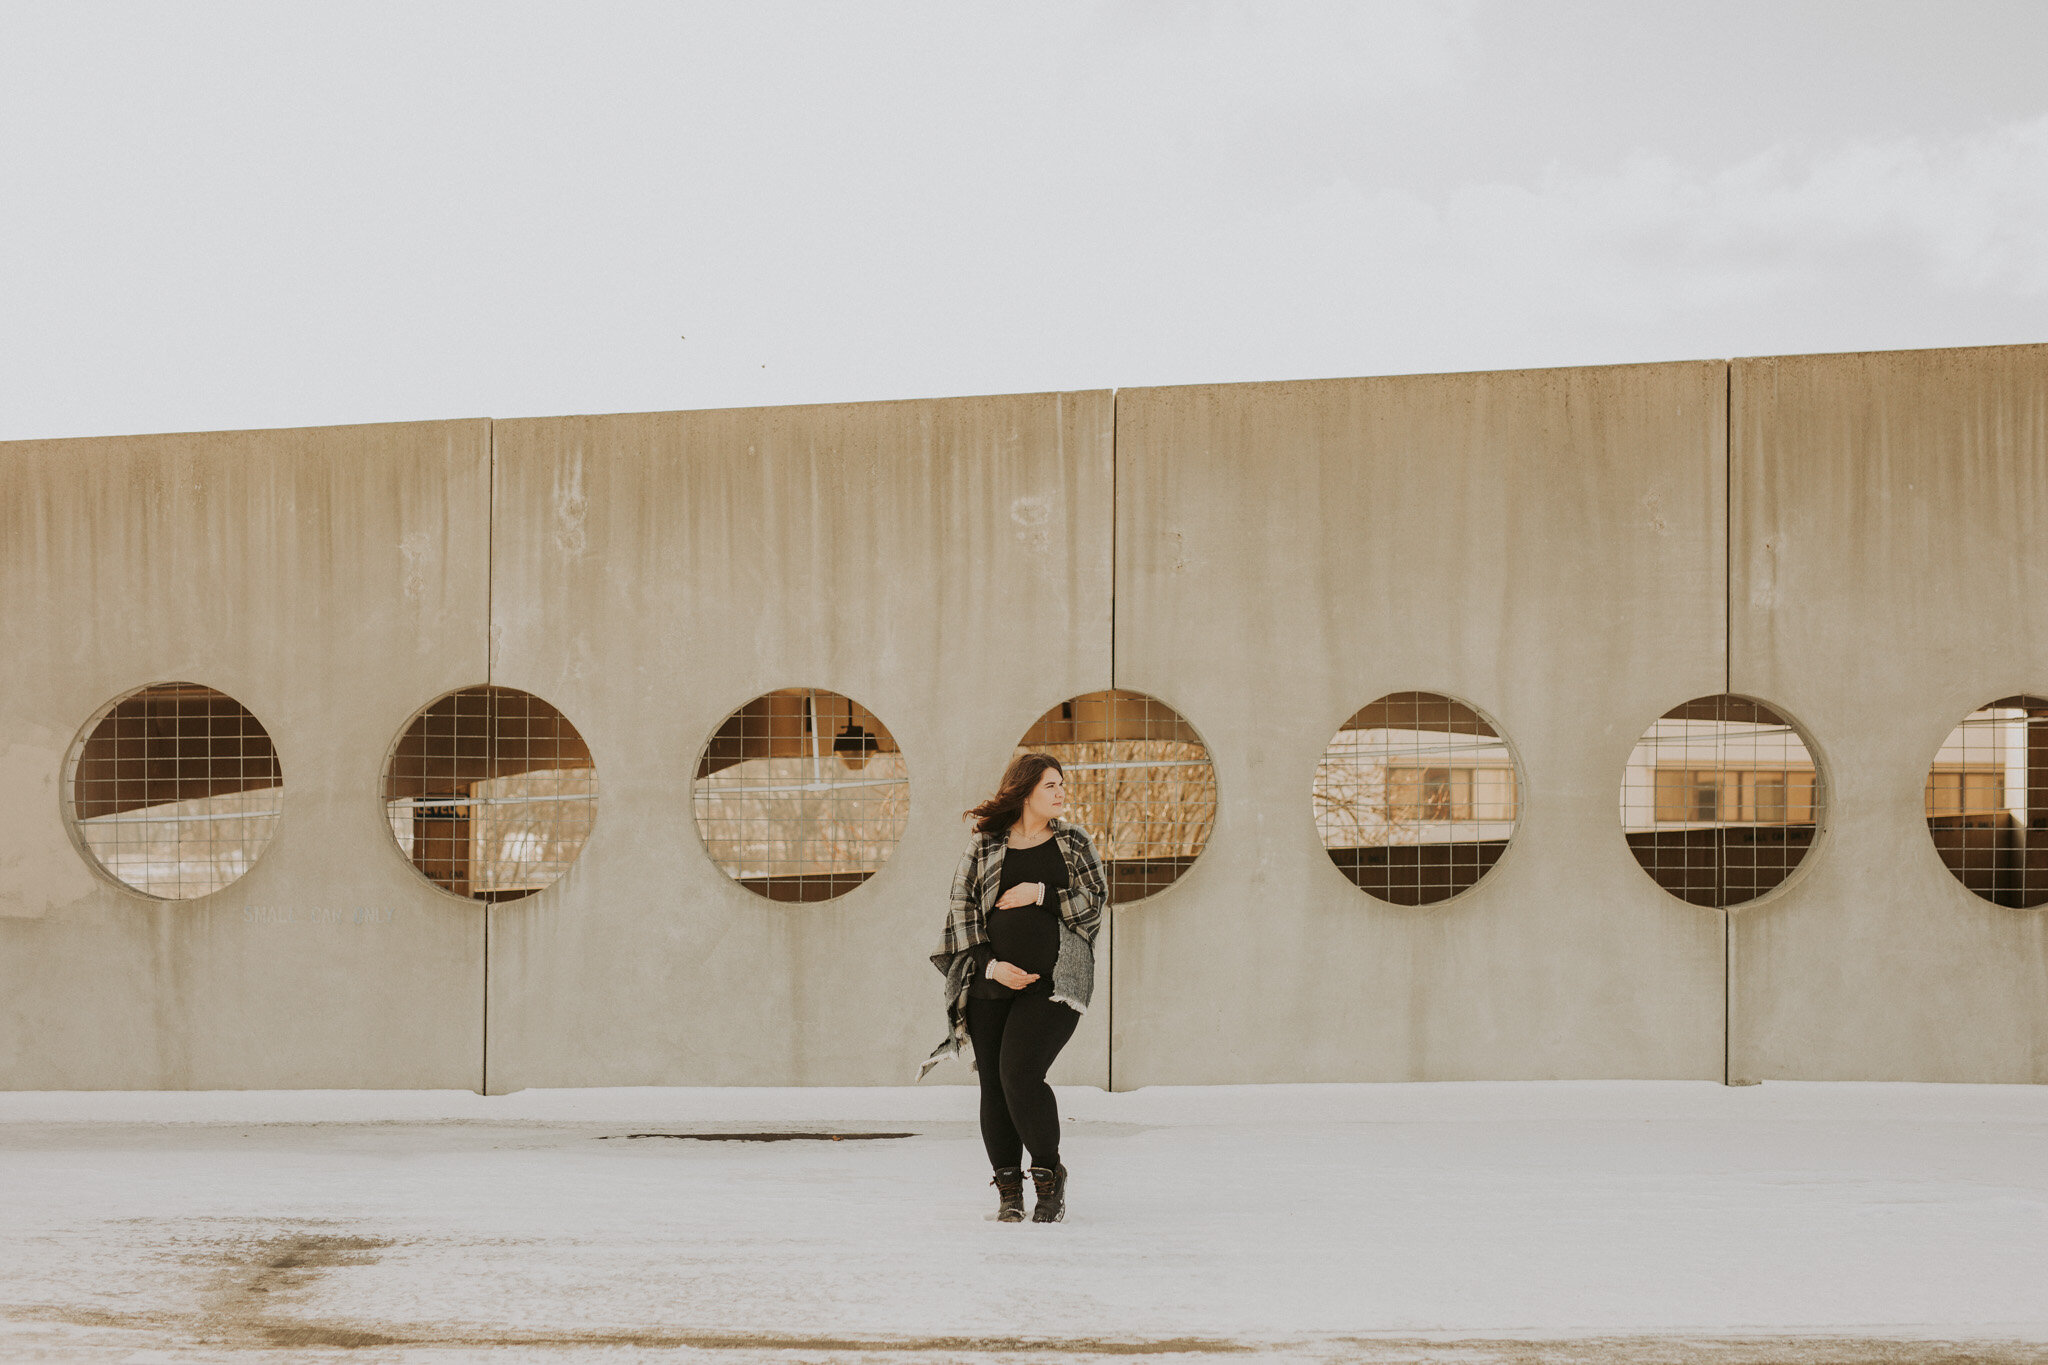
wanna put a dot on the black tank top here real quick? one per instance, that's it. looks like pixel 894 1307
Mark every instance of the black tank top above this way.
pixel 1026 936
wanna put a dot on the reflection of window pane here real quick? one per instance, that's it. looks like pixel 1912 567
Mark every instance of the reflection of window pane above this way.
pixel 1770 798
pixel 1404 793
pixel 1767 796
pixel 1672 794
pixel 1436 794
pixel 1461 794
pixel 1705 803
pixel 1451 794
pixel 1493 793
pixel 1420 793
pixel 1799 798
pixel 1970 791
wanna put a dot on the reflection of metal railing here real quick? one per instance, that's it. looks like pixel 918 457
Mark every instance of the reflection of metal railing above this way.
pixel 1137 763
pixel 1680 826
pixel 803 826
pixel 714 787
pixel 438 803
pixel 178 819
pixel 1371 751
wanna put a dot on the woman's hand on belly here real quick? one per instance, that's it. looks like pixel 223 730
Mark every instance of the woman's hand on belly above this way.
pixel 1023 893
pixel 1008 974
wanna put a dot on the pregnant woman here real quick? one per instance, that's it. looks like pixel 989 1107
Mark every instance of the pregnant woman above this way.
pixel 1018 954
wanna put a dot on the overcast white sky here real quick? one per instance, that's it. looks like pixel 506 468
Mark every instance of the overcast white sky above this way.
pixel 254 215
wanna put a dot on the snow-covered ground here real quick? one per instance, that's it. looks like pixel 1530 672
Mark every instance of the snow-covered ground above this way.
pixel 1622 1221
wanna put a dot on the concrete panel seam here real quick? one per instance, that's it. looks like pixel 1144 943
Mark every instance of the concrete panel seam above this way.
pixel 483 1083
pixel 1727 679
pixel 1109 968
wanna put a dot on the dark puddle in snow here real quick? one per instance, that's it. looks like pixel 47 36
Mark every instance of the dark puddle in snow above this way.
pixel 763 1137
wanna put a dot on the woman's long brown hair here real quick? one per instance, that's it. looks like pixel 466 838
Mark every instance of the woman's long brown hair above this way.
pixel 1002 810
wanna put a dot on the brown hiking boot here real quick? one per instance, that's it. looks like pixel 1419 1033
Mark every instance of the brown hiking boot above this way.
pixel 1009 1183
pixel 1051 1187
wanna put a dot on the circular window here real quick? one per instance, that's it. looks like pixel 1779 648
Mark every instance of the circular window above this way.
pixel 1721 800
pixel 1139 781
pixel 175 790
pixel 801 795
pixel 1987 796
pixel 1416 798
pixel 491 793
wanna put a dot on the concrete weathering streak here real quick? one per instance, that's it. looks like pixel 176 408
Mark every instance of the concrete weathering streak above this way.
pixel 1505 594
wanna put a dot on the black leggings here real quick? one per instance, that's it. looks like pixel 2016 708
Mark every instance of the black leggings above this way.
pixel 1015 1041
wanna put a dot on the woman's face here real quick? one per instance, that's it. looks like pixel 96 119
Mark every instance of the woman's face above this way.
pixel 1048 798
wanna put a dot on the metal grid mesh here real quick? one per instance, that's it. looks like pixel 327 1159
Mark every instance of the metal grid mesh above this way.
pixel 801 795
pixel 1416 798
pixel 1987 796
pixel 1138 779
pixel 491 793
pixel 175 790
pixel 1720 800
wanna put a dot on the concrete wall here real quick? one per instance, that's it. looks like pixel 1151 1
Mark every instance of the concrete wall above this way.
pixel 332 580
pixel 1545 546
pixel 1551 547
pixel 945 564
pixel 1889 570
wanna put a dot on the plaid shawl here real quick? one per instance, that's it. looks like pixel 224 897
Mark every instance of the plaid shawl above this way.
pixel 975 884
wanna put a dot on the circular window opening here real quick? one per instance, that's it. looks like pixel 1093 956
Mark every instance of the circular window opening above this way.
pixel 1987 801
pixel 175 790
pixel 491 793
pixel 1139 780
pixel 1416 798
pixel 1721 800
pixel 801 795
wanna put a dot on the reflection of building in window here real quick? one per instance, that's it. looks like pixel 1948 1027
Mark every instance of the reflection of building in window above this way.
pixel 801 795
pixel 1720 800
pixel 1416 798
pixel 1987 801
pixel 175 790
pixel 1734 796
pixel 1138 780
pixel 1966 791
pixel 1451 794
pixel 491 793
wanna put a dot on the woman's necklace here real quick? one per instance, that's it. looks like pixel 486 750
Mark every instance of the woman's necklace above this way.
pixel 1012 840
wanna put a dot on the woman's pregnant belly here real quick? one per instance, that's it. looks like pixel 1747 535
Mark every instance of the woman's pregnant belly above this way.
pixel 1027 936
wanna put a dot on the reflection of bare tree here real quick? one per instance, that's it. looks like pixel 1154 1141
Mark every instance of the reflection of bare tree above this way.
pixel 527 828
pixel 1139 798
pixel 1356 805
pixel 1380 788
pixel 183 849
pixel 793 817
